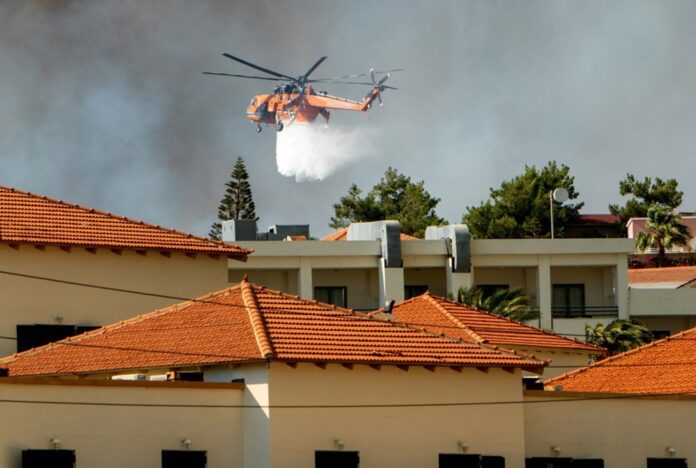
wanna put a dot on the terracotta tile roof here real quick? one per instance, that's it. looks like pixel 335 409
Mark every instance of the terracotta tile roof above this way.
pixel 603 218
pixel 251 323
pixel 679 275
pixel 342 235
pixel 443 316
pixel 665 366
pixel 27 218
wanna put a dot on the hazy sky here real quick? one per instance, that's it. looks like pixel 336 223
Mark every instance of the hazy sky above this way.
pixel 103 103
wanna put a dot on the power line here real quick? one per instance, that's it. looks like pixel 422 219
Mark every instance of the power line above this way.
pixel 568 399
pixel 413 326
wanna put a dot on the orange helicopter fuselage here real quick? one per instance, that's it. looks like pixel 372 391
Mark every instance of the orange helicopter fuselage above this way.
pixel 300 107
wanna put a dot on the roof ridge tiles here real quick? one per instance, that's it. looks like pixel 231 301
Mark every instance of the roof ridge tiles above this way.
pixel 256 318
pixel 618 357
pixel 517 322
pixel 205 240
pixel 475 336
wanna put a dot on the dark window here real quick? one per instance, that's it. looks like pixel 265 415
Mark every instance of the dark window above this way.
pixel 184 459
pixel 588 463
pixel 31 336
pixel 48 458
pixel 413 291
pixel 568 299
pixel 667 463
pixel 336 459
pixel 487 290
pixel 469 460
pixel 337 295
pixel 548 462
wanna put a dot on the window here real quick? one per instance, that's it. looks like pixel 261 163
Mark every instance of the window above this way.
pixel 568 299
pixel 413 291
pixel 336 459
pixel 44 458
pixel 184 459
pixel 667 463
pixel 488 290
pixel 336 295
pixel 31 336
pixel 469 460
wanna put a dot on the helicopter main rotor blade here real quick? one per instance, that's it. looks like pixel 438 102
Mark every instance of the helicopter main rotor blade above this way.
pixel 314 67
pixel 257 67
pixel 354 75
pixel 245 76
pixel 357 83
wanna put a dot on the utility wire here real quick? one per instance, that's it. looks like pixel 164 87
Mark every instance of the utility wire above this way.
pixel 545 400
pixel 304 314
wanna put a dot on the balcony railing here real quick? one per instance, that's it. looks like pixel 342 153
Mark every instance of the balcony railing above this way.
pixel 584 311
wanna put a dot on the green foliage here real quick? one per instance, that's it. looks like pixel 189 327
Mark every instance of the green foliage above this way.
pixel 662 231
pixel 646 193
pixel 237 202
pixel 394 197
pixel 618 336
pixel 520 207
pixel 509 303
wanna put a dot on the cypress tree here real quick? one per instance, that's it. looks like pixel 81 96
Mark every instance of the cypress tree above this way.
pixel 238 202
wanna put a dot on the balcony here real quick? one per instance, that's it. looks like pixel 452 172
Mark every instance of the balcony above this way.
pixel 584 311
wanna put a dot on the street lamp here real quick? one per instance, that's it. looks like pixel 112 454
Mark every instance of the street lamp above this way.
pixel 559 195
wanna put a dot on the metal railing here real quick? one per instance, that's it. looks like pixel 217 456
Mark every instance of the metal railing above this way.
pixel 584 311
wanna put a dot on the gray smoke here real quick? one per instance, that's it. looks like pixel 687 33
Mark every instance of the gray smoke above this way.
pixel 103 103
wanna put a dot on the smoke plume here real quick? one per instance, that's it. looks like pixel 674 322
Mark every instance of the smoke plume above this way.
pixel 310 152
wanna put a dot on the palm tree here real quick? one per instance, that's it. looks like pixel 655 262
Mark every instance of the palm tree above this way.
pixel 509 303
pixel 618 336
pixel 662 231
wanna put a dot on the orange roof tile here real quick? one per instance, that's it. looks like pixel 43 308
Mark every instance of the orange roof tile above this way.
pixel 250 323
pixel 27 218
pixel 342 235
pixel 679 275
pixel 467 323
pixel 662 367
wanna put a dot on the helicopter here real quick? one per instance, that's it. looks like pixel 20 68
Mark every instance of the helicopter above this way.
pixel 295 100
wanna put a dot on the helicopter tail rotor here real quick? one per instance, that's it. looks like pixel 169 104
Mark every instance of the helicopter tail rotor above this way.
pixel 377 88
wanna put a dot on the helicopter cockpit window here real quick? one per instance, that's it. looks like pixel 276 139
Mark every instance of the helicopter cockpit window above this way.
pixel 253 102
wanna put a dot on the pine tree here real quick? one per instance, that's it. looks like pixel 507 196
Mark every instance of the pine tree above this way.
pixel 238 202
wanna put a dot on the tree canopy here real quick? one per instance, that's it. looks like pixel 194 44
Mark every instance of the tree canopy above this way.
pixel 237 203
pixel 662 231
pixel 509 303
pixel 646 193
pixel 519 208
pixel 394 197
pixel 618 336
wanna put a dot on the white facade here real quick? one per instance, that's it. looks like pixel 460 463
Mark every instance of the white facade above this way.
pixel 596 268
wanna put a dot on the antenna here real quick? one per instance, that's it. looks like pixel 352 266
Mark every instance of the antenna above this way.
pixel 560 195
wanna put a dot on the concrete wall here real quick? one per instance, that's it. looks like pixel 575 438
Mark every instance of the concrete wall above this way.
pixel 117 436
pixel 561 361
pixel 281 280
pixel 397 436
pixel 671 324
pixel 652 302
pixel 29 301
pixel 361 283
pixel 624 432
pixel 434 278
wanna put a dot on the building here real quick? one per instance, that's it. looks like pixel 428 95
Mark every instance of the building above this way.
pixel 663 298
pixel 68 268
pixel 573 282
pixel 637 225
pixel 634 409
pixel 439 315
pixel 322 385
pixel 592 225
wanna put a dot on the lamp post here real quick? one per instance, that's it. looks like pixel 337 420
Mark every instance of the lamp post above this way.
pixel 559 195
